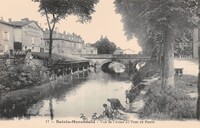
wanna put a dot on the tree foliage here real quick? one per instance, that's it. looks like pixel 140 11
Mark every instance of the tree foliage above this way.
pixel 104 46
pixel 55 10
pixel 146 19
pixel 17 76
pixel 156 23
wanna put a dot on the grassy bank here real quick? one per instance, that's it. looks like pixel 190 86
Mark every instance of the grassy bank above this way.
pixel 171 104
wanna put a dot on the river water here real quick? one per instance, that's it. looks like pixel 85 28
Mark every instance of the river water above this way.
pixel 86 98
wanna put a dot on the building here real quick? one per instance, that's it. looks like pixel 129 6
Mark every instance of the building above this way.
pixel 118 51
pixel 6 37
pixel 64 43
pixel 28 35
pixel 88 49
pixel 129 51
pixel 20 36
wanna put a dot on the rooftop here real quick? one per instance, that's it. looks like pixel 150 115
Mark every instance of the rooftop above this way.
pixel 4 22
pixel 63 36
pixel 21 23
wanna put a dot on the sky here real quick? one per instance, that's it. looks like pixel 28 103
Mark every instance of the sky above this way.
pixel 104 22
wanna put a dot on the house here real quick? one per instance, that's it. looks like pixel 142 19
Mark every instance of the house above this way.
pixel 118 51
pixel 6 37
pixel 88 49
pixel 28 35
pixel 64 43
pixel 129 51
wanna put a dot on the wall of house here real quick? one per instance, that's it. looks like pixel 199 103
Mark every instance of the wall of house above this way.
pixel 17 34
pixel 32 37
pixel 87 49
pixel 6 38
pixel 65 43
pixel 118 51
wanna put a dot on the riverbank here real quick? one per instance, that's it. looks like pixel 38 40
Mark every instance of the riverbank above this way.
pixel 33 70
pixel 174 104
pixel 16 103
pixel 67 100
pixel 151 102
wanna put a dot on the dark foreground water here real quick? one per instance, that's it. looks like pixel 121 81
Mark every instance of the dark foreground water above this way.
pixel 86 97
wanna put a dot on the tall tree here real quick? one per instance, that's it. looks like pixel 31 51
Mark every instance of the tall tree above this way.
pixel 55 10
pixel 146 19
pixel 198 83
pixel 104 46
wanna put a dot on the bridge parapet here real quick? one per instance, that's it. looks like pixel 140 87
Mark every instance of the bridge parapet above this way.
pixel 96 56
pixel 114 56
pixel 129 56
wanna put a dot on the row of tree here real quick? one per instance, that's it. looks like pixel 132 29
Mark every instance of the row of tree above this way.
pixel 157 24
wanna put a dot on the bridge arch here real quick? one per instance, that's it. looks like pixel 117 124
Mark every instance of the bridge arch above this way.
pixel 129 60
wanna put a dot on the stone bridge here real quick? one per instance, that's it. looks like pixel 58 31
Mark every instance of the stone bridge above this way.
pixel 126 59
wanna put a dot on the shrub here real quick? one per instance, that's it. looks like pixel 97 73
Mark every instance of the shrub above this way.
pixel 149 69
pixel 168 104
pixel 18 76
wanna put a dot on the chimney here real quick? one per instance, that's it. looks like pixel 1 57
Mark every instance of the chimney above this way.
pixel 64 32
pixel 25 19
pixel 1 18
pixel 9 20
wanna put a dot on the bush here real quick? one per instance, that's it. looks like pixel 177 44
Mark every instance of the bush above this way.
pixel 168 104
pixel 148 70
pixel 19 76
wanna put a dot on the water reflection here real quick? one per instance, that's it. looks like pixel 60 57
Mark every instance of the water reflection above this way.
pixel 67 100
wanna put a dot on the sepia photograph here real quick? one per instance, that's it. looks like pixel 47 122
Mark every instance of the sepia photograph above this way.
pixel 99 63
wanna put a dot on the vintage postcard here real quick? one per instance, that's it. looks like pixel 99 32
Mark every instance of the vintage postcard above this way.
pixel 99 63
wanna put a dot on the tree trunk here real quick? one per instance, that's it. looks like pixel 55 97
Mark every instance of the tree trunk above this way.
pixel 168 54
pixel 198 84
pixel 50 44
pixel 198 87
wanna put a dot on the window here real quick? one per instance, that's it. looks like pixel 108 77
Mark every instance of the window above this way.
pixel 1 48
pixel 41 41
pixel 5 35
pixel 32 40
pixel 42 50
